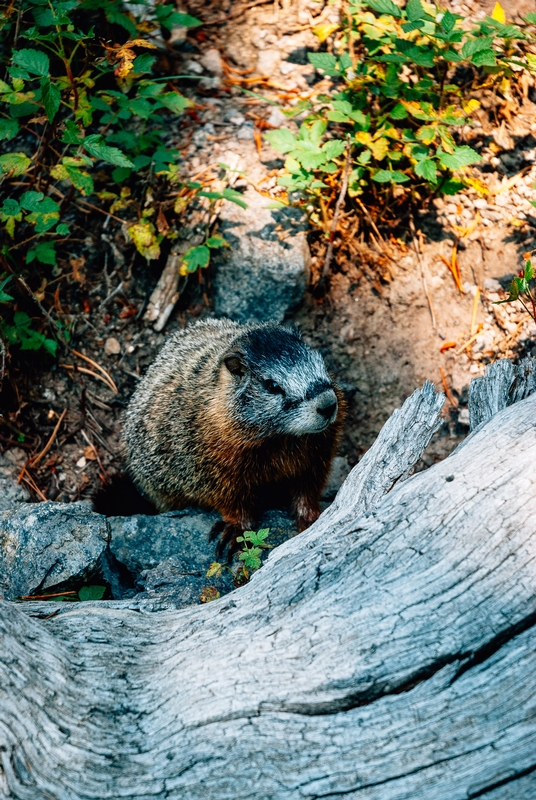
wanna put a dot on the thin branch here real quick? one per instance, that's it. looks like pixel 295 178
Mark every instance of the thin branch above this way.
pixel 35 461
pixel 423 276
pixel 336 213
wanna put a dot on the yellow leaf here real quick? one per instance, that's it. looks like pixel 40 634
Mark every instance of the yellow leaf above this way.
pixel 471 105
pixel 498 13
pixel 363 137
pixel 143 234
pixel 324 30
pixel 477 185
pixel 379 148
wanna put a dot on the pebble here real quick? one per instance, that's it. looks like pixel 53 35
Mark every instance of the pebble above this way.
pixel 112 347
pixel 245 132
pixel 276 117
pixel 193 67
pixel 480 202
pixel 211 60
pixel 492 285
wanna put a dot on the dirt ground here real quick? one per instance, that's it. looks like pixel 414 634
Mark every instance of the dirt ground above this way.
pixel 391 319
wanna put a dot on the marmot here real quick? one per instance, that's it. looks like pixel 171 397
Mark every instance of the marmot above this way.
pixel 238 418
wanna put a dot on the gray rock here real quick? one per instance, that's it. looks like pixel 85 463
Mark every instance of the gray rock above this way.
pixel 246 132
pixel 492 285
pixel 43 545
pixel 211 60
pixel 169 554
pixel 261 277
pixel 174 585
pixel 141 542
pixel 11 492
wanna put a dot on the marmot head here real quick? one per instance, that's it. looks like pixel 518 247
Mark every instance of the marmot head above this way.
pixel 278 384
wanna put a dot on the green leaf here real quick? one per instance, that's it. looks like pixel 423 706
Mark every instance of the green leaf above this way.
pixel 281 140
pixel 485 58
pixel 234 197
pixel 451 187
pixel 14 163
pixel 81 180
pixel 169 18
pixel 10 208
pixel 472 46
pixel 216 241
pixel 143 63
pixel 91 592
pixel 45 252
pixel 63 229
pixel 34 61
pixel 388 176
pixel 415 11
pixel 174 101
pixel 398 112
pixel 95 147
pixel 325 62
pixel 333 149
pixel 8 129
pixel 141 107
pixel 426 169
pixel 385 7
pixel 448 21
pixel 530 18
pixel 461 157
pixel 196 258
pixel 51 97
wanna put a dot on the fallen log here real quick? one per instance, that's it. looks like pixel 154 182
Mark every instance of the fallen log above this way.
pixel 387 653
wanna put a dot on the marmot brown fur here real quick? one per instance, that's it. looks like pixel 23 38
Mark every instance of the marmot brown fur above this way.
pixel 238 418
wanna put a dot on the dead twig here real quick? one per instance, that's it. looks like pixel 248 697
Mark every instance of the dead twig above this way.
pixel 336 213
pixel 451 398
pixel 423 276
pixel 33 486
pixel 35 461
pixel 85 371
pixel 104 372
pixel 46 597
pixel 2 361
pixel 113 293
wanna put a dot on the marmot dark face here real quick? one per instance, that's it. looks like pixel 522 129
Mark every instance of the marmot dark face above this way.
pixel 280 386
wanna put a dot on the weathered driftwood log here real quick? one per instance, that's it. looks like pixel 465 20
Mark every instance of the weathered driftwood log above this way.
pixel 388 653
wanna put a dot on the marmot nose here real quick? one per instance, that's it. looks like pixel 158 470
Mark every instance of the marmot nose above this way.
pixel 327 405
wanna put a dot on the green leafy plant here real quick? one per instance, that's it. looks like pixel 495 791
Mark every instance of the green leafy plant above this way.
pixel 254 542
pixel 74 113
pixel 520 289
pixel 397 100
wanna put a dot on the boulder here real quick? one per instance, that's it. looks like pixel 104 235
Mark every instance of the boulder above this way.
pixel 44 545
pixel 263 275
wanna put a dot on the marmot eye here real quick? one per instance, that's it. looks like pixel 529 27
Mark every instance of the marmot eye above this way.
pixel 273 387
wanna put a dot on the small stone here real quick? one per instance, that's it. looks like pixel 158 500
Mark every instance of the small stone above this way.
pixel 245 132
pixel 234 117
pixel 480 202
pixel 268 62
pixel 112 347
pixel 492 285
pixel 193 67
pixel 286 67
pixel 211 60
pixel 81 463
pixel 463 416
pixel 276 118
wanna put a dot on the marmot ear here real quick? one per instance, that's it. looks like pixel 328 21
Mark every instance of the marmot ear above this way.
pixel 235 364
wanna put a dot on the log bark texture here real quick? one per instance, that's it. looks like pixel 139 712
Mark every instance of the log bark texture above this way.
pixel 388 653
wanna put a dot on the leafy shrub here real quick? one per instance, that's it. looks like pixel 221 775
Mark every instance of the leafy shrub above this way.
pixel 74 111
pixel 396 101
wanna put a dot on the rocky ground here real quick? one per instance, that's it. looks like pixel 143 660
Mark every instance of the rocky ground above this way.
pixel 393 315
